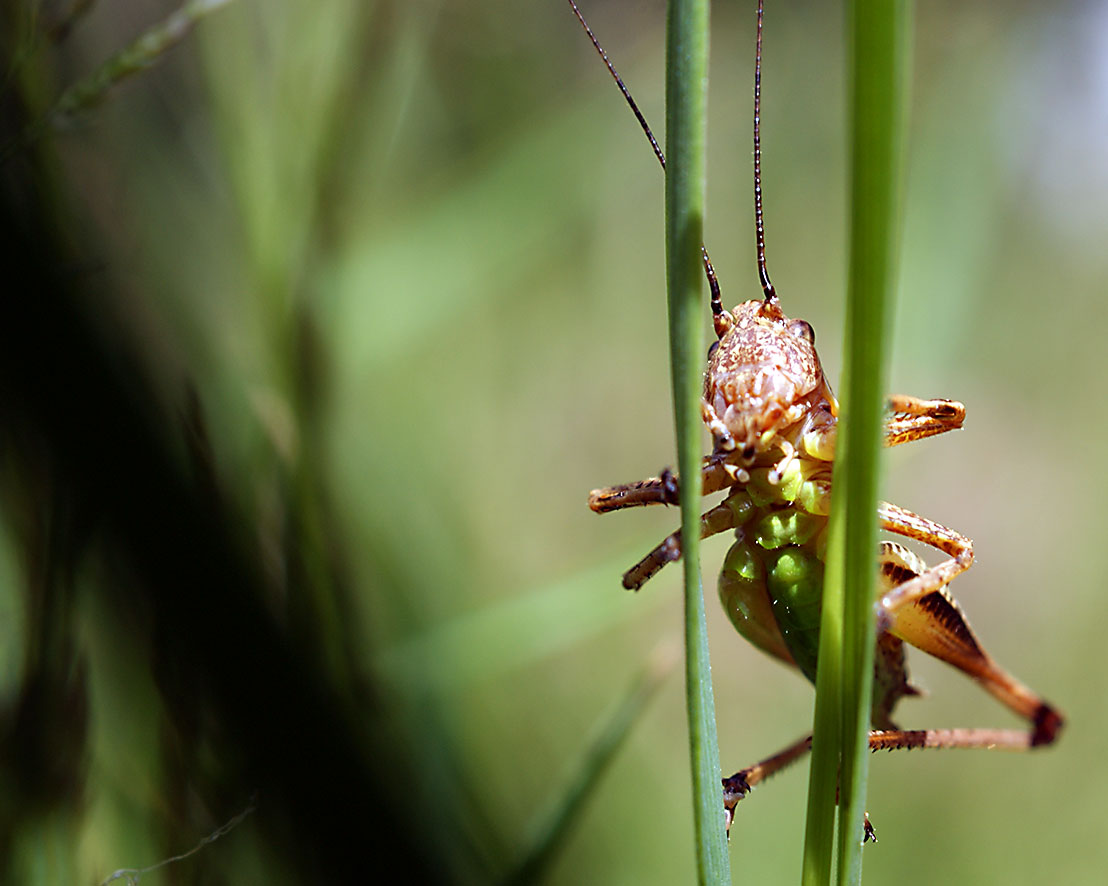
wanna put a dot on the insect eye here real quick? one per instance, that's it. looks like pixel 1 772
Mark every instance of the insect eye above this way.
pixel 804 328
pixel 711 350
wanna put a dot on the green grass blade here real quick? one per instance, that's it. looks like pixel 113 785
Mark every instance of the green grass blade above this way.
pixel 134 58
pixel 554 825
pixel 879 47
pixel 686 119
pixel 880 44
pixel 518 630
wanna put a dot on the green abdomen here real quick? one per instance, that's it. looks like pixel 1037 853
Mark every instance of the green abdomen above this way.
pixel 771 584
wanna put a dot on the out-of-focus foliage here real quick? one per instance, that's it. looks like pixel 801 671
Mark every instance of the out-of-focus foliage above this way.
pixel 391 274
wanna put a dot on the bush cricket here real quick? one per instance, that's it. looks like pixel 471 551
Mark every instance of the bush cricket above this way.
pixel 773 419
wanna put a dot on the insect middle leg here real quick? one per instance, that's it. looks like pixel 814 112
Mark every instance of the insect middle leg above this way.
pixel 712 522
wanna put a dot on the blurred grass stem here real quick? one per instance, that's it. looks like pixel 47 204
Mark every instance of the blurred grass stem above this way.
pixel 555 824
pixel 140 54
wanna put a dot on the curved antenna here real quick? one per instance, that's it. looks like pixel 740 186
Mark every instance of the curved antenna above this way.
pixel 720 317
pixel 763 274
pixel 619 82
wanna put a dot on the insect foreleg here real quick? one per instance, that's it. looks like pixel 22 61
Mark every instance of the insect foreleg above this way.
pixel 717 472
pixel 913 419
pixel 910 419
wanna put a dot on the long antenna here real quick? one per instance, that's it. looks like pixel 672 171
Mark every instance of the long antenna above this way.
pixel 721 319
pixel 763 274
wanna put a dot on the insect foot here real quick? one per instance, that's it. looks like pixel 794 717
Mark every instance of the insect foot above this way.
pixel 868 833
pixel 734 789
pixel 671 492
pixel 1047 724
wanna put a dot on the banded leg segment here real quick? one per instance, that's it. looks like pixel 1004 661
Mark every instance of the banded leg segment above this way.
pixel 932 621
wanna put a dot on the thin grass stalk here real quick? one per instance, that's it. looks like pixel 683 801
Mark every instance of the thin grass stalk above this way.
pixel 137 56
pixel 554 826
pixel 879 38
pixel 686 126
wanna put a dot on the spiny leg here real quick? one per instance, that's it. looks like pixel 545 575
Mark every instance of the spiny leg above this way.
pixel 959 548
pixel 933 622
pixel 742 782
pixel 968 739
pixel 737 786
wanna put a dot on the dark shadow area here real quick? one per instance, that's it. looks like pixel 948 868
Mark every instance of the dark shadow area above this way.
pixel 88 466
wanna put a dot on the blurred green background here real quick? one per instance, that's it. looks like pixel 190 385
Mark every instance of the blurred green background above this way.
pixel 408 257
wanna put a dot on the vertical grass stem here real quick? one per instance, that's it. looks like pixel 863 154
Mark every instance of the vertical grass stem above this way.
pixel 686 118
pixel 879 39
